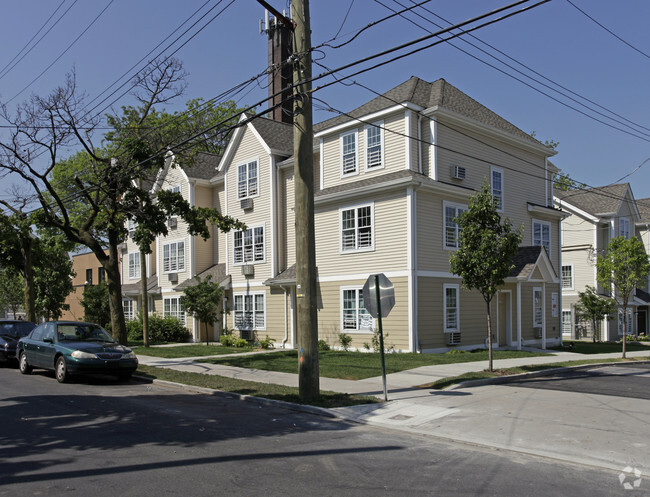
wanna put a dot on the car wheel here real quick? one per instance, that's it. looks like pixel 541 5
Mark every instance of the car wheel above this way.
pixel 61 371
pixel 23 365
pixel 124 376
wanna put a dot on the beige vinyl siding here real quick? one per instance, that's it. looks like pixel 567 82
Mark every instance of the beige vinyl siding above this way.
pixel 203 248
pixel 287 225
pixel 395 325
pixel 276 302
pixel 163 277
pixel 427 149
pixel 577 231
pixel 218 238
pixel 389 231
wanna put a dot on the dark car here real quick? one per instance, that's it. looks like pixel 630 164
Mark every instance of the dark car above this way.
pixel 70 347
pixel 11 330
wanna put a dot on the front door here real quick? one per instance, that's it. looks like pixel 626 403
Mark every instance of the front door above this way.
pixel 642 323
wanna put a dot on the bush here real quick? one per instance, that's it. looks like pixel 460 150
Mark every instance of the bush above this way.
pixel 240 342
pixel 161 330
pixel 345 341
pixel 323 345
pixel 267 343
pixel 226 339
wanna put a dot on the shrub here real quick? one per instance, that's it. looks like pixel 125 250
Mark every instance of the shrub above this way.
pixel 345 341
pixel 323 345
pixel 267 343
pixel 226 338
pixel 240 342
pixel 160 330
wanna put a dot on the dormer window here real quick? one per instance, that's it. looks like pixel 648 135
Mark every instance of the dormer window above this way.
pixel 624 227
pixel 247 180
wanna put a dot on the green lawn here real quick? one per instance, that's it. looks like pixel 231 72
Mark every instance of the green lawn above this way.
pixel 193 350
pixel 359 365
pixel 265 390
pixel 581 347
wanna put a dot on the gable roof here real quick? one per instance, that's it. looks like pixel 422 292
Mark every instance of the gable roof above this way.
pixel 216 271
pixel 600 201
pixel 643 204
pixel 277 135
pixel 531 261
pixel 205 166
pixel 438 94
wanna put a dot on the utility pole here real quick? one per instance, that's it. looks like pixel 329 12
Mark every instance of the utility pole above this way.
pixel 303 138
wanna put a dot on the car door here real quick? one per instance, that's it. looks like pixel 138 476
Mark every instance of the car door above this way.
pixel 48 348
pixel 40 351
pixel 30 345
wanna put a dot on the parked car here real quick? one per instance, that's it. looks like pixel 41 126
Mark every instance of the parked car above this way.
pixel 70 347
pixel 11 330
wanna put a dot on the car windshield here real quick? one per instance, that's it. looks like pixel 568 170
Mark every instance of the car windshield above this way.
pixel 83 332
pixel 16 329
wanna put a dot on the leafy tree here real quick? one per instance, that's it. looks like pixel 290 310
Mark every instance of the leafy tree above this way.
pixel 53 279
pixel 96 306
pixel 564 182
pixel 593 307
pixel 202 301
pixel 624 266
pixel 486 249
pixel 11 291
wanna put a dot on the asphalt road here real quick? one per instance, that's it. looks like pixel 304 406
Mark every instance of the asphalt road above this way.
pixel 100 438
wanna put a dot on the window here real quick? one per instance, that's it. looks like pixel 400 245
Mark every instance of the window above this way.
pixel 628 322
pixel 174 257
pixel 624 227
pixel 250 313
pixel 497 186
pixel 247 184
pixel 538 308
pixel 566 323
pixel 249 245
pixel 349 153
pixel 175 189
pixel 129 309
pixel 375 145
pixel 355 316
pixel 89 277
pixel 451 310
pixel 542 235
pixel 134 265
pixel 172 308
pixel 101 274
pixel 356 228
pixel 567 277
pixel 132 225
pixel 452 230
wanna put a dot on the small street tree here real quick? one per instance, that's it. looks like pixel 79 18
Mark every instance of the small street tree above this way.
pixel 624 266
pixel 12 295
pixel 594 308
pixel 96 305
pixel 202 301
pixel 52 278
pixel 486 249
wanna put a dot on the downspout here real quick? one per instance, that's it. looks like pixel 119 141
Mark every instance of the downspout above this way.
pixel 544 316
pixel 519 315
pixel 286 323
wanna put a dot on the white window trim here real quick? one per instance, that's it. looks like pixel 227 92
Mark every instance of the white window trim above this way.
pixel 382 165
pixel 354 132
pixel 444 223
pixel 621 221
pixel 182 320
pixel 541 292
pixel 175 186
pixel 162 256
pixel 246 163
pixel 570 313
pixel 495 169
pixel 372 226
pixel 135 274
pixel 252 228
pixel 550 232
pixel 444 307
pixel 129 314
pixel 572 277
pixel 252 295
pixel 359 330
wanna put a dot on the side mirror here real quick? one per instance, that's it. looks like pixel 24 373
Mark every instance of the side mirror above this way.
pixel 48 340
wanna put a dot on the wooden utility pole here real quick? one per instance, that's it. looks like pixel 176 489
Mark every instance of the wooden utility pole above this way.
pixel 307 318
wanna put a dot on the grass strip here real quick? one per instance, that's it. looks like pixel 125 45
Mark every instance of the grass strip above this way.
pixel 266 390
pixel 481 375
pixel 360 365
pixel 194 350
pixel 584 347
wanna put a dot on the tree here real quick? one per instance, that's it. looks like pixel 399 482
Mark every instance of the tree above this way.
pixel 202 301
pixel 486 249
pixel 564 182
pixel 624 266
pixel 83 197
pixel 11 291
pixel 96 306
pixel 53 279
pixel 594 308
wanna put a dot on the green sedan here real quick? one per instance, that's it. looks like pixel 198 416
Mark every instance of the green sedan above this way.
pixel 70 347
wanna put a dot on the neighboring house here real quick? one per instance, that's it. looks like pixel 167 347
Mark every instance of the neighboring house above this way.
pixel 390 176
pixel 88 271
pixel 595 216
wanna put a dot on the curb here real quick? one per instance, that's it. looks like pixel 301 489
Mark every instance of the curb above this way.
pixel 534 374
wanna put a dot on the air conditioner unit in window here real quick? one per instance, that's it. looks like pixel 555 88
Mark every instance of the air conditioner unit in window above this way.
pixel 248 270
pixel 247 334
pixel 173 277
pixel 538 332
pixel 171 222
pixel 453 338
pixel 247 203
pixel 458 172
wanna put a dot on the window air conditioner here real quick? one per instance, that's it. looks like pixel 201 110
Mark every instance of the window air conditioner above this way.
pixel 171 222
pixel 458 172
pixel 248 270
pixel 246 334
pixel 453 338
pixel 173 277
pixel 246 203
pixel 538 332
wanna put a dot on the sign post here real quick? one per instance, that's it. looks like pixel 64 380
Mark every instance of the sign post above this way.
pixel 379 299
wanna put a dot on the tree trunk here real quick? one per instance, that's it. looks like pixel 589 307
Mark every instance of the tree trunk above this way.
pixel 145 297
pixel 27 244
pixel 489 334
pixel 624 328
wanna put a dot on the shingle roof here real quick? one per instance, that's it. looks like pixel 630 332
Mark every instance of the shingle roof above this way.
pixel 436 94
pixel 288 276
pixel 374 180
pixel 599 201
pixel 218 273
pixel 525 260
pixel 205 166
pixel 277 135
pixel 643 204
pixel 134 288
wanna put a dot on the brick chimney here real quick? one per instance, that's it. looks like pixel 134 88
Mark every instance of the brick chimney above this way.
pixel 280 74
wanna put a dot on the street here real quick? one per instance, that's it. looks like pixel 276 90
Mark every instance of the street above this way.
pixel 99 437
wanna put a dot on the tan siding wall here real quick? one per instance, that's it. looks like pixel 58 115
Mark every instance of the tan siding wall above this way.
pixel 218 238
pixel 203 248
pixel 287 228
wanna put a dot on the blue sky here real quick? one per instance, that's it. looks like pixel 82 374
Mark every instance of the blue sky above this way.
pixel 555 39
